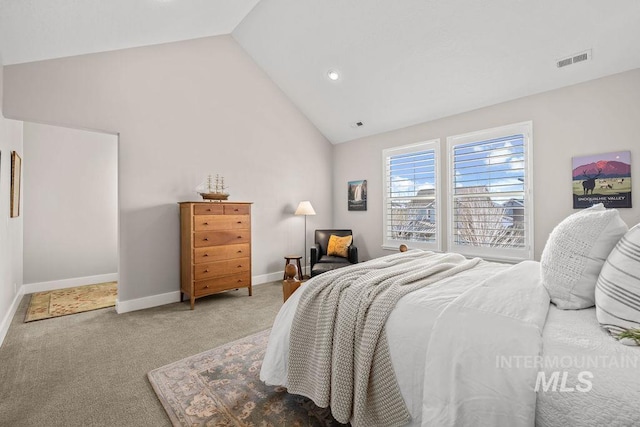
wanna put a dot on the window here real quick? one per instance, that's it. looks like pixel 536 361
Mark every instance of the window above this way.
pixel 490 206
pixel 411 207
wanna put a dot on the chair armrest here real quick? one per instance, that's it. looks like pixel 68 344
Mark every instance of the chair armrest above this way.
pixel 315 254
pixel 353 254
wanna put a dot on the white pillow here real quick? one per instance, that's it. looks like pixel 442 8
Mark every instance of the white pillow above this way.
pixel 618 288
pixel 575 252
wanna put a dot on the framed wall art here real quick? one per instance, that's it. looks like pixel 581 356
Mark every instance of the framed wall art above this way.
pixel 357 195
pixel 16 173
pixel 602 178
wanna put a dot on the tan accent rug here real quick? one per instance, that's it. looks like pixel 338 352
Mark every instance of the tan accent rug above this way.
pixel 44 305
pixel 222 387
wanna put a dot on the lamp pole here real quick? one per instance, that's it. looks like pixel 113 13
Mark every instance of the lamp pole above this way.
pixel 305 208
pixel 304 264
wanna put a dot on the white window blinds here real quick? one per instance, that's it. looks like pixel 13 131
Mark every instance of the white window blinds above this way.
pixel 490 206
pixel 411 196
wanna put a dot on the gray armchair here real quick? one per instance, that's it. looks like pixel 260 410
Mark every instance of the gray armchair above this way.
pixel 321 262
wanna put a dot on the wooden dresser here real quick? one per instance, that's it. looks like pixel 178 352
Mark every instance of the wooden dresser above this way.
pixel 215 248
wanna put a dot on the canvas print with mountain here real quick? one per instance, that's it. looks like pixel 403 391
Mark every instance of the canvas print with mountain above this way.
pixel 602 178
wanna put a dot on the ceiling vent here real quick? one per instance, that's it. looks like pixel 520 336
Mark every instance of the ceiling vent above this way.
pixel 574 59
pixel 357 124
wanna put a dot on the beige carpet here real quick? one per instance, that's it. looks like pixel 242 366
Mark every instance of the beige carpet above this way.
pixel 90 370
pixel 44 305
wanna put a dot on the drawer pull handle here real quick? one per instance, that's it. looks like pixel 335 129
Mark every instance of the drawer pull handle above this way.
pixel 205 255
pixel 239 280
pixel 206 239
pixel 239 237
pixel 235 210
pixel 206 223
pixel 239 222
pixel 206 287
pixel 207 270
pixel 209 210
pixel 240 266
pixel 240 251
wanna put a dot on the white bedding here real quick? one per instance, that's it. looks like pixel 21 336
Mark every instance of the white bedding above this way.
pixel 409 329
pixel 574 337
pixel 466 382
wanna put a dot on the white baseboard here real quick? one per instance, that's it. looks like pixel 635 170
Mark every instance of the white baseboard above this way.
pixel 171 297
pixel 6 322
pixel 147 302
pixel 121 306
pixel 272 277
pixel 266 278
pixel 30 288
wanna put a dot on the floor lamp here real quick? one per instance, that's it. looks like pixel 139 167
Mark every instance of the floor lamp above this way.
pixel 305 208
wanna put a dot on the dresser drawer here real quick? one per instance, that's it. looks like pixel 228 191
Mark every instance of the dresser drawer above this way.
pixel 221 222
pixel 206 287
pixel 237 209
pixel 208 209
pixel 216 238
pixel 221 268
pixel 219 253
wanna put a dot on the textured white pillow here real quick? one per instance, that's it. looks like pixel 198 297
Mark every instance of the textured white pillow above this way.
pixel 618 288
pixel 575 252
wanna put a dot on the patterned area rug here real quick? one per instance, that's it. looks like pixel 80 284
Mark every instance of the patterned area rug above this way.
pixel 44 305
pixel 222 387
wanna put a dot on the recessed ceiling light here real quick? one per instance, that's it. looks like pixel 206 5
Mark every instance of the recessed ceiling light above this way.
pixel 333 75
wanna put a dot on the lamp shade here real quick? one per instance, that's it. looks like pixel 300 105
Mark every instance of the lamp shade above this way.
pixel 305 208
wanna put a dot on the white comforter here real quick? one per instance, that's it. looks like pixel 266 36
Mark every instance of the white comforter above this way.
pixel 574 343
pixel 470 377
pixel 447 369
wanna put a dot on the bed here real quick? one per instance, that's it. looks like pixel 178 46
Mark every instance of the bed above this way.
pixel 474 347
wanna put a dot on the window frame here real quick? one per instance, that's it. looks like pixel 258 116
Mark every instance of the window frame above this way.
pixel 393 244
pixel 495 253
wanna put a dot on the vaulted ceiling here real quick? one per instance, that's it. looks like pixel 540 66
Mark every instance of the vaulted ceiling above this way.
pixel 33 30
pixel 399 62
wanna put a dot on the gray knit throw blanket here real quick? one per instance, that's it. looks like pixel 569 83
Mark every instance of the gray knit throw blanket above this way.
pixel 338 350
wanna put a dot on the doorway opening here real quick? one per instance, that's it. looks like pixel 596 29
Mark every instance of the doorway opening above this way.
pixel 70 208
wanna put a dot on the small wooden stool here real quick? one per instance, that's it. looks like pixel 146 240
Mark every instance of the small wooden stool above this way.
pixel 288 259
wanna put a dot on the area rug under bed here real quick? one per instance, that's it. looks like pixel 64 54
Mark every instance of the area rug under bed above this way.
pixel 61 302
pixel 222 387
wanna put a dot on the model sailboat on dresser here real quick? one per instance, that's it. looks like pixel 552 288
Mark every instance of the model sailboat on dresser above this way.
pixel 213 188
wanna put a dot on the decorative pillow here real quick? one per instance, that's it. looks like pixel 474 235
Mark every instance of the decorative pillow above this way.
pixel 339 246
pixel 575 252
pixel 618 288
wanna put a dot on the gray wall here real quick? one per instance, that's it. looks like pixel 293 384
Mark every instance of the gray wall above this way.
pixel 10 228
pixel 183 110
pixel 590 118
pixel 71 206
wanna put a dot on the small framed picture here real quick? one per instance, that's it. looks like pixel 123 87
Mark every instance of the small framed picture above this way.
pixel 602 178
pixel 357 195
pixel 16 173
